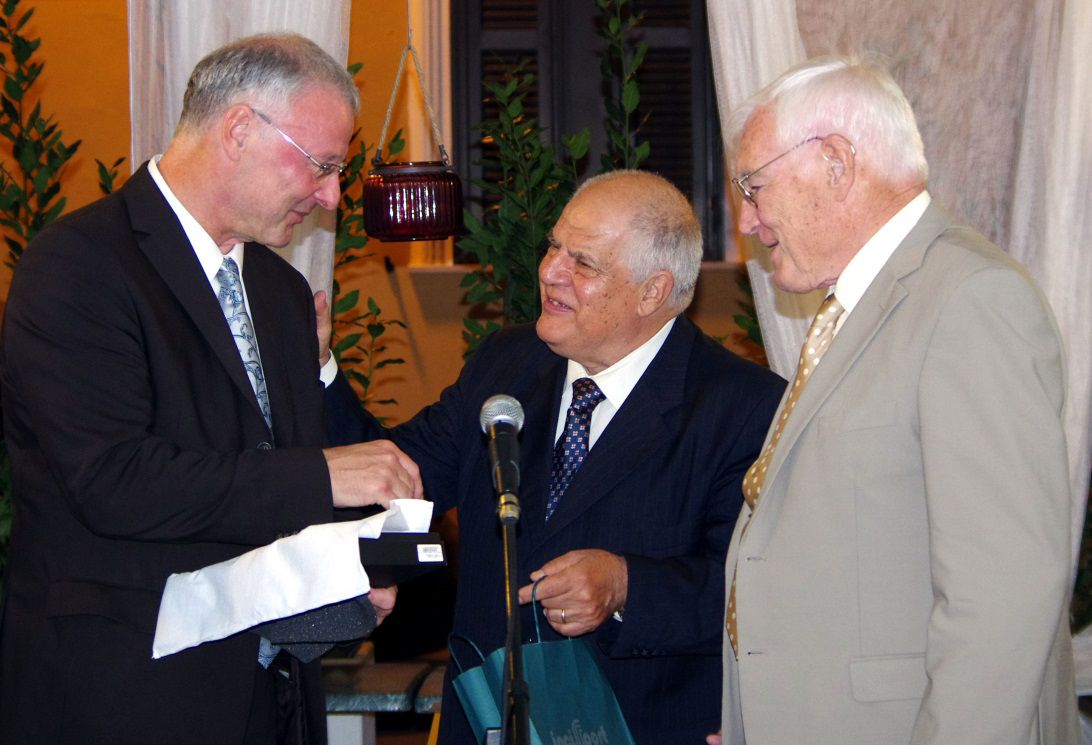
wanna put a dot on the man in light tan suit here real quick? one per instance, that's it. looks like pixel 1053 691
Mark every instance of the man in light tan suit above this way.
pixel 900 571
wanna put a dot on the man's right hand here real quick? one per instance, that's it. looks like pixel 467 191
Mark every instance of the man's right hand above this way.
pixel 371 473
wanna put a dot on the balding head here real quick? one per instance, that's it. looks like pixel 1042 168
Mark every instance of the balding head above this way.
pixel 664 232
pixel 265 71
pixel 623 260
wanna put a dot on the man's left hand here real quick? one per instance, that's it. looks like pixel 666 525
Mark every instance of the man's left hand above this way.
pixel 324 321
pixel 383 601
pixel 579 590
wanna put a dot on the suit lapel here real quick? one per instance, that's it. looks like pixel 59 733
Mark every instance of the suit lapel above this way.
pixel 537 442
pixel 635 432
pixel 879 301
pixel 164 243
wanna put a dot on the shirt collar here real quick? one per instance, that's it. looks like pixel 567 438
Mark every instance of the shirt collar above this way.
pixel 617 381
pixel 866 264
pixel 208 253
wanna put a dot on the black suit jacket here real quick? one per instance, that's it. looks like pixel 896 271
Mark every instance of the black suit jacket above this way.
pixel 661 487
pixel 138 451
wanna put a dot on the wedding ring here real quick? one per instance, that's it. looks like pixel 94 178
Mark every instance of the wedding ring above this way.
pixel 562 615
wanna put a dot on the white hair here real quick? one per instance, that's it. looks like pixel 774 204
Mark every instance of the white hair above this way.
pixel 852 96
pixel 664 232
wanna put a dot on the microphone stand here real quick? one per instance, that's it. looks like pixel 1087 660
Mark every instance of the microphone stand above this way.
pixel 515 722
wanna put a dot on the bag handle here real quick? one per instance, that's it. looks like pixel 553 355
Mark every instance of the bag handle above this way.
pixel 534 611
pixel 452 637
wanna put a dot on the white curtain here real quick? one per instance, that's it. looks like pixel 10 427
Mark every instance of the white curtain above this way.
pixel 1003 96
pixel 1051 220
pixel 751 44
pixel 168 37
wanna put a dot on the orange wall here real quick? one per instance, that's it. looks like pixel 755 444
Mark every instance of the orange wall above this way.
pixel 85 84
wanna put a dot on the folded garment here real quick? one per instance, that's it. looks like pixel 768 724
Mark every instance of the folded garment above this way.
pixel 310 634
pixel 317 567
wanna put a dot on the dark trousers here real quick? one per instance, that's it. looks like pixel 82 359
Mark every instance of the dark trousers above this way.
pixel 277 711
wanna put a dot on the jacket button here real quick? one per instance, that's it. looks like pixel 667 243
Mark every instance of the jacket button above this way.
pixel 264 446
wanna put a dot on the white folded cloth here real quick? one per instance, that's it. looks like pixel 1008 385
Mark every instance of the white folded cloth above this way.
pixel 317 566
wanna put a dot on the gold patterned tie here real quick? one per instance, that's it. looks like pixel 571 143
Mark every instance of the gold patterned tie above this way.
pixel 815 343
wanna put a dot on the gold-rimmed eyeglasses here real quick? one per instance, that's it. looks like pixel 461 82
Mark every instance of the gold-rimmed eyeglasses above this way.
pixel 324 169
pixel 749 193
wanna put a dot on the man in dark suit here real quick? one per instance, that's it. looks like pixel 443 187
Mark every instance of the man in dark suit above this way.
pixel 141 444
pixel 632 552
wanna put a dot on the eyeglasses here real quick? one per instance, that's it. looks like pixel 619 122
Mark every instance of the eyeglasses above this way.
pixel 741 182
pixel 324 169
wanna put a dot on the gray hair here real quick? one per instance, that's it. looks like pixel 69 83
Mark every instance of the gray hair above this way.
pixel 855 97
pixel 664 232
pixel 268 69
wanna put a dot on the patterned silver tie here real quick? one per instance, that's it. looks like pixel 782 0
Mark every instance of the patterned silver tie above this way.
pixel 231 302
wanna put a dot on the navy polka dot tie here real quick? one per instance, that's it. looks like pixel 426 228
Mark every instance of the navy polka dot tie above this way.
pixel 573 446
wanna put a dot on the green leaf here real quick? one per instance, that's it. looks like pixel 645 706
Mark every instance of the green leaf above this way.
pixel 346 303
pixel 350 242
pixel 470 277
pixel 358 377
pixel 577 144
pixel 396 144
pixel 13 90
pixel 474 326
pixel 9 9
pixel 630 96
pixel 52 213
pixel 481 294
pixel 346 343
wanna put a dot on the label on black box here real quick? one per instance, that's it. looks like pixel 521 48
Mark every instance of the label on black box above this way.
pixel 430 552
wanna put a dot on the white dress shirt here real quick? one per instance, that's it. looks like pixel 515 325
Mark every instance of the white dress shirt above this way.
pixel 867 263
pixel 615 382
pixel 208 253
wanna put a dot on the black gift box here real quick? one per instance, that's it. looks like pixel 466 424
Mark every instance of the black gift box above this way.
pixel 394 558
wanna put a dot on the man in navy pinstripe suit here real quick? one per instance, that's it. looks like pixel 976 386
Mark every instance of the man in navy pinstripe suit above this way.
pixel 633 555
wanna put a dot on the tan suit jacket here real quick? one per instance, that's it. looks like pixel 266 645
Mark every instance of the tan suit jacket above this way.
pixel 904 577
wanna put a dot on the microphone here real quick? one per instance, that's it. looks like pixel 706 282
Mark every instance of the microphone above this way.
pixel 502 419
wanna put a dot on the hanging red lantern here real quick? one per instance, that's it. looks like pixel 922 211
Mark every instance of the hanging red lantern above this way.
pixel 412 201
pixel 419 201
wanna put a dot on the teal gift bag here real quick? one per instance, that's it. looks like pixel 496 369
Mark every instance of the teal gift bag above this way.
pixel 571 702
